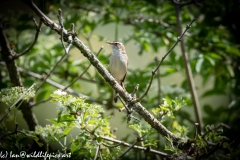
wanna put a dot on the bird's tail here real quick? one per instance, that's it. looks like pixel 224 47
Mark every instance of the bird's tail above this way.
pixel 116 97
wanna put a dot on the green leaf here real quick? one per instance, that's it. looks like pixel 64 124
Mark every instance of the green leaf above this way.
pixel 208 109
pixel 213 91
pixel 59 115
pixel 199 65
pixel 36 139
pixel 42 95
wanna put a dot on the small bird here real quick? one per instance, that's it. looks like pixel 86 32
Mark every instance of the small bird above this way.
pixel 118 64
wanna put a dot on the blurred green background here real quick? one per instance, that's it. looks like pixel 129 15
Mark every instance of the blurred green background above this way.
pixel 148 29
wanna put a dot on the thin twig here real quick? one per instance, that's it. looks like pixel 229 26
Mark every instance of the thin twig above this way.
pixel 55 84
pixel 130 116
pixel 134 93
pixel 66 87
pixel 181 4
pixel 158 82
pixel 100 155
pixel 125 106
pixel 16 127
pixel 196 130
pixel 128 149
pixel 14 132
pixel 158 96
pixel 38 29
pixel 62 57
pixel 155 70
pixel 60 19
pixel 80 76
pixel 19 99
pixel 215 128
pixel 188 70
pixel 54 67
pixel 135 147
pixel 97 150
pixel 111 146
pixel 135 22
pixel 138 139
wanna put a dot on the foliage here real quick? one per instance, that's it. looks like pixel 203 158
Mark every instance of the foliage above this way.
pixel 213 49
pixel 166 109
pixel 10 95
pixel 74 113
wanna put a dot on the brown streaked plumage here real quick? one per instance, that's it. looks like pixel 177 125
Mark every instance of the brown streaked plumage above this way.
pixel 118 63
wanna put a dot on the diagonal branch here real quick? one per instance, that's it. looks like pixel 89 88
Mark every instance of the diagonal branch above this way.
pixel 80 76
pixel 55 84
pixel 158 82
pixel 138 139
pixel 38 29
pixel 11 65
pixel 66 88
pixel 134 146
pixel 106 75
pixel 155 70
pixel 97 151
pixel 184 3
pixel 14 104
pixel 62 57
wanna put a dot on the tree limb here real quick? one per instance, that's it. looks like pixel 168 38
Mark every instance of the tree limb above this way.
pixel 7 56
pixel 189 75
pixel 38 29
pixel 105 74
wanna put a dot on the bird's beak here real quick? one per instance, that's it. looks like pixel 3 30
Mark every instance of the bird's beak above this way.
pixel 111 43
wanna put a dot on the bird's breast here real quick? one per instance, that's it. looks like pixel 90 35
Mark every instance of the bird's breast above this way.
pixel 118 66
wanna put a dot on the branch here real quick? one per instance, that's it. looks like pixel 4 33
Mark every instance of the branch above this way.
pixel 155 70
pixel 181 4
pixel 215 128
pixel 140 20
pixel 66 87
pixel 7 57
pixel 65 50
pixel 38 29
pixel 55 84
pixel 18 100
pixel 138 139
pixel 51 71
pixel 97 151
pixel 158 82
pixel 136 147
pixel 189 75
pixel 106 75
pixel 14 132
pixel 80 76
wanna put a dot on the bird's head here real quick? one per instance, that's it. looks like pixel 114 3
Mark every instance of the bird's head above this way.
pixel 117 46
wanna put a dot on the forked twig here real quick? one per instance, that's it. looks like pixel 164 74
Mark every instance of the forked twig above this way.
pixel 138 139
pixel 62 57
